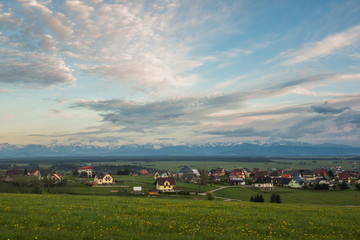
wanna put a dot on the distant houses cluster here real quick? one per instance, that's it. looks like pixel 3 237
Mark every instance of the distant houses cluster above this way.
pixel 165 181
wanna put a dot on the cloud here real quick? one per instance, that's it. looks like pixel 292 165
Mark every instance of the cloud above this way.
pixel 325 47
pixel 349 117
pixel 34 70
pixel 28 54
pixel 328 109
pixel 191 110
pixel 241 132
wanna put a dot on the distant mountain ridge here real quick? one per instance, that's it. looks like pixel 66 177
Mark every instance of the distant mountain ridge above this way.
pixel 211 149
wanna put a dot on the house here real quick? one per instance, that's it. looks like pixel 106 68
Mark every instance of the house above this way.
pixel 264 183
pixel 55 177
pixel 307 175
pixel 184 170
pixel 219 172
pixel 165 184
pixel 286 175
pixel 187 170
pixel 260 174
pixel 320 172
pixel 35 173
pixel 239 173
pixel 234 180
pixel 324 180
pixel 161 174
pixel 103 178
pixel 344 177
pixel 143 172
pixel 284 182
pixel 86 169
pixel 14 174
pixel 276 174
pixel 296 182
pixel 189 178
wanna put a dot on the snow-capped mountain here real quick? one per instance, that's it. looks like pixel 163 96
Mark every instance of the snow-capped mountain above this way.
pixel 211 149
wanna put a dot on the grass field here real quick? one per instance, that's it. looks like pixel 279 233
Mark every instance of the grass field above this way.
pixel 175 165
pixel 288 195
pixel 112 217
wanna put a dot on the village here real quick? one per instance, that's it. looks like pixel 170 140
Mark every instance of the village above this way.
pixel 161 181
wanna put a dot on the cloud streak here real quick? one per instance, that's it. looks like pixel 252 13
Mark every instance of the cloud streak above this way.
pixel 325 47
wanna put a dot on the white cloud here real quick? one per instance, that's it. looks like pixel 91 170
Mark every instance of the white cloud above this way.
pixel 325 47
pixel 33 70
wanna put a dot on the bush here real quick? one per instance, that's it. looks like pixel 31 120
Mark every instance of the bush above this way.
pixel 344 186
pixel 210 196
pixel 322 187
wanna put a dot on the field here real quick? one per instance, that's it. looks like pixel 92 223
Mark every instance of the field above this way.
pixel 29 216
pixel 295 196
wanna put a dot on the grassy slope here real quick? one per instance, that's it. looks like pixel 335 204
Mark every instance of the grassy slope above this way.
pixel 348 197
pixel 107 217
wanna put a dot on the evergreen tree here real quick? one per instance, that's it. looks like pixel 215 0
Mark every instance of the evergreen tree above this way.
pixel 261 198
pixel 273 198
pixel 278 200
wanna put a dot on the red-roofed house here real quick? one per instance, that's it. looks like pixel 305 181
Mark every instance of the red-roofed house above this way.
pixel 239 173
pixel 320 172
pixel 344 177
pixel 55 177
pixel 143 172
pixel 87 169
pixel 219 172
pixel 285 175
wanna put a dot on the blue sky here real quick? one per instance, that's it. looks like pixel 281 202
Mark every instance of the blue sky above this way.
pixel 179 72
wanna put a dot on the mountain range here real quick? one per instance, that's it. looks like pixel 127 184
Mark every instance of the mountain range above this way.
pixel 213 149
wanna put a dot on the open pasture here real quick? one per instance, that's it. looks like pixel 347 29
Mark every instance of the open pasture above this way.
pixel 113 217
pixel 294 196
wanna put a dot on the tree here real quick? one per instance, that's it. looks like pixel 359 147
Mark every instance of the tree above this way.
pixel 275 198
pixel 204 179
pixel 210 196
pixel 249 181
pixel 257 198
pixel 331 174
pixel 84 175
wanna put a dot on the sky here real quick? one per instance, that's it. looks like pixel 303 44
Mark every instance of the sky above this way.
pixel 113 73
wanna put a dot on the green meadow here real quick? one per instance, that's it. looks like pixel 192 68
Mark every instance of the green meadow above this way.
pixel 28 216
pixel 294 196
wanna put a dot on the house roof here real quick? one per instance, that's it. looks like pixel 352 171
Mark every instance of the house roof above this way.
pixel 15 172
pixel 101 175
pixel 219 170
pixel 161 181
pixel 185 169
pixel 263 180
pixel 86 167
pixel 298 180
pixel 344 175
pixel 285 180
